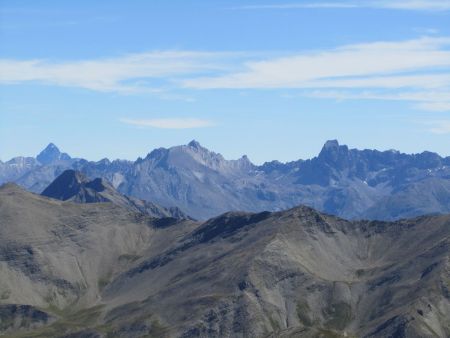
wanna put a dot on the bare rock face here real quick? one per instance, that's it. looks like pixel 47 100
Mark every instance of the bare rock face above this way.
pixel 350 183
pixel 51 154
pixel 73 186
pixel 15 317
pixel 99 270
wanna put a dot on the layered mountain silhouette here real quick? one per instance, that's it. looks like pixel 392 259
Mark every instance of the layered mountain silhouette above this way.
pixel 99 270
pixel 51 154
pixel 73 186
pixel 350 183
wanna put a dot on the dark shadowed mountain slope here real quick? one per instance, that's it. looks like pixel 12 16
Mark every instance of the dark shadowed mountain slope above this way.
pixel 346 182
pixel 73 186
pixel 97 270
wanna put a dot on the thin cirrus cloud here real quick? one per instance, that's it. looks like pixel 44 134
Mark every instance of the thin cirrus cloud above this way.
pixel 439 127
pixel 344 64
pixel 170 123
pixel 424 5
pixel 432 100
pixel 415 70
pixel 124 74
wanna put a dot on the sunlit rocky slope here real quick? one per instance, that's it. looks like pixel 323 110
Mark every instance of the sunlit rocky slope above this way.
pixel 100 270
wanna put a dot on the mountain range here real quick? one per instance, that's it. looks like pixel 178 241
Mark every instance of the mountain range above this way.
pixel 73 186
pixel 350 183
pixel 73 269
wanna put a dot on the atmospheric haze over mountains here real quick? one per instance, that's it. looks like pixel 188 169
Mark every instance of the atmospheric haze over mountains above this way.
pixel 320 241
pixel 184 243
pixel 349 183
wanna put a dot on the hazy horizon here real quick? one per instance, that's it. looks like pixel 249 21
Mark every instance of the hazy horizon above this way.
pixel 114 79
pixel 212 150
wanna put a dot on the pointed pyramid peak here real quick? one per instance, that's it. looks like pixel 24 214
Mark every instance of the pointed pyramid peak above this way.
pixel 65 185
pixel 51 145
pixel 50 154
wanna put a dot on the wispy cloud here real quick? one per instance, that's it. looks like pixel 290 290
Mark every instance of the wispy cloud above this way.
pixel 433 5
pixel 431 100
pixel 439 127
pixel 438 106
pixel 415 70
pixel 346 63
pixel 170 123
pixel 128 74
pixel 426 30
pixel 424 5
pixel 420 66
pixel 301 5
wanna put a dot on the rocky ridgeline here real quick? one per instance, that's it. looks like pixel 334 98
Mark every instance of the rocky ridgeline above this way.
pixel 101 270
pixel 350 183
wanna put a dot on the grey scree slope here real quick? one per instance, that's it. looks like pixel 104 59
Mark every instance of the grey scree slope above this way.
pixel 101 270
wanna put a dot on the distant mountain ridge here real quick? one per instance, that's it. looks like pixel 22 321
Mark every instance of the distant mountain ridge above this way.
pixel 51 154
pixel 73 186
pixel 346 182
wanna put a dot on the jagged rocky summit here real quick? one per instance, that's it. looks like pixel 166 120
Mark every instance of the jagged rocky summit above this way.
pixel 350 183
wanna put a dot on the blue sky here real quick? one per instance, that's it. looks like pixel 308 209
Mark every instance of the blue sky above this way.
pixel 270 79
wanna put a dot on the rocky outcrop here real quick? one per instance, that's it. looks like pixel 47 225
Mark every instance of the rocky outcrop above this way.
pixel 73 186
pixel 101 270
pixel 346 182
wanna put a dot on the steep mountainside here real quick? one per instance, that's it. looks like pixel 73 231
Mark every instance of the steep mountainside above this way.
pixel 346 182
pixel 97 270
pixel 73 186
pixel 36 173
